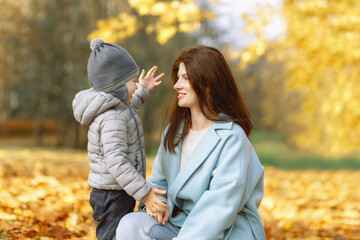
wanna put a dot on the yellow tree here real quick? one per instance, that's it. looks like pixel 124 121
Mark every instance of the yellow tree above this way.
pixel 320 52
pixel 164 18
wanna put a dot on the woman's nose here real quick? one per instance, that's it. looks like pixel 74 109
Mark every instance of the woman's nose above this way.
pixel 177 85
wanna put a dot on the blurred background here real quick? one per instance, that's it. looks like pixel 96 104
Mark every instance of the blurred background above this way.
pixel 297 63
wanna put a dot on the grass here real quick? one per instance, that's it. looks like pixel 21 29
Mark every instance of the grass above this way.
pixel 271 147
pixel 273 150
pixel 4 236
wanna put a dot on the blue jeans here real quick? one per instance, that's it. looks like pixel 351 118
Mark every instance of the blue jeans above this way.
pixel 141 226
pixel 109 206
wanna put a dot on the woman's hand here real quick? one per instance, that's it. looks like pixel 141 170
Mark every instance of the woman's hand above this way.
pixel 153 203
pixel 162 218
pixel 148 81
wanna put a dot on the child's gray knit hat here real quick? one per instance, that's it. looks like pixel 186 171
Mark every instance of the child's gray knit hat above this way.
pixel 110 66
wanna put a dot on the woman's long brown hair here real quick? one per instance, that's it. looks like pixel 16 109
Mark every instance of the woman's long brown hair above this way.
pixel 213 82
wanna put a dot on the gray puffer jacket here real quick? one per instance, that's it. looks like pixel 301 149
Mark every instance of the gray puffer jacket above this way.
pixel 116 161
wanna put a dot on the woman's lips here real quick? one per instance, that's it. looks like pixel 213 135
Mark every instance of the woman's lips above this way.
pixel 180 95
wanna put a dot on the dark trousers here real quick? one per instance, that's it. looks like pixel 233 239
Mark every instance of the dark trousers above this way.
pixel 109 206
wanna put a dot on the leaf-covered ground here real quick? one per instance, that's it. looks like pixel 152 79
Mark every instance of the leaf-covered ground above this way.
pixel 44 195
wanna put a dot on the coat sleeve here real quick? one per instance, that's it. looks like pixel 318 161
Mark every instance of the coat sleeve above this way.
pixel 158 177
pixel 140 96
pixel 114 141
pixel 228 192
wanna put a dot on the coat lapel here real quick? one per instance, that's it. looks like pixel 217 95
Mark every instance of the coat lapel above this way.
pixel 173 168
pixel 200 153
pixel 173 162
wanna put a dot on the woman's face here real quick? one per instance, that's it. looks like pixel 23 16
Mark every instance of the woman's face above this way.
pixel 186 94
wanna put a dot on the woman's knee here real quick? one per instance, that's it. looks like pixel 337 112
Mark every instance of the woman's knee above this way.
pixel 126 227
pixel 134 226
pixel 161 232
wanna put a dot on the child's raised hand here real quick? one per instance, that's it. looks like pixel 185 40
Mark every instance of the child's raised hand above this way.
pixel 148 81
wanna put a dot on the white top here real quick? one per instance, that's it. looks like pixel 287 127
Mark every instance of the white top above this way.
pixel 189 143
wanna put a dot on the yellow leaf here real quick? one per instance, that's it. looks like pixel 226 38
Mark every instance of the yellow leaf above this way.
pixel 7 216
pixel 165 33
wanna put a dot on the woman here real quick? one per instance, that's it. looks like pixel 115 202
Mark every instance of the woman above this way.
pixel 206 164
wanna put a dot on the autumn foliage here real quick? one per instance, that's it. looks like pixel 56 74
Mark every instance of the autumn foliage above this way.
pixel 320 55
pixel 44 195
pixel 164 18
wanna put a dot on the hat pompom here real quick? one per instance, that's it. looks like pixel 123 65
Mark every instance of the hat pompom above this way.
pixel 96 43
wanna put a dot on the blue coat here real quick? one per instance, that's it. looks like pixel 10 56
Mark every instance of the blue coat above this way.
pixel 219 188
